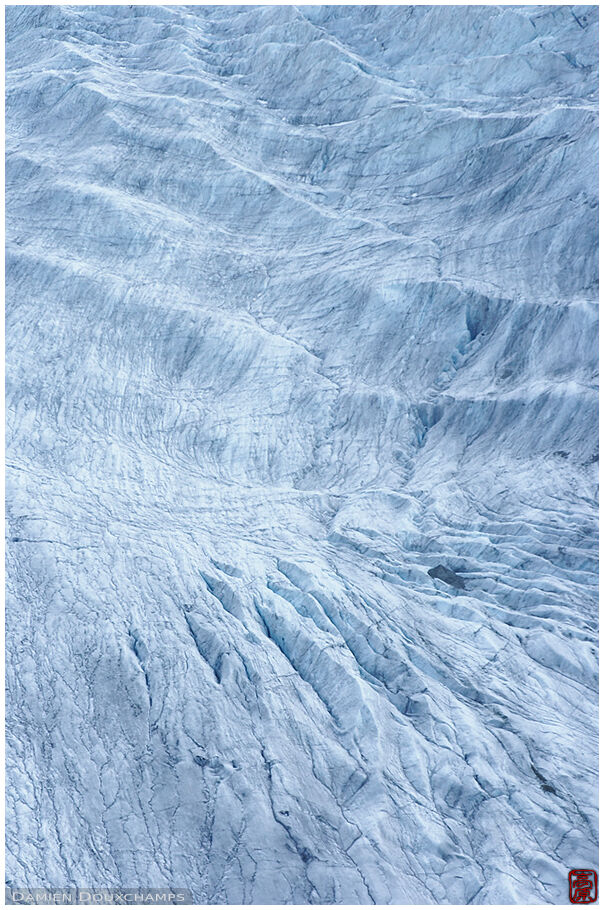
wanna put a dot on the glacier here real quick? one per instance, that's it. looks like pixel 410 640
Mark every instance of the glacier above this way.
pixel 301 346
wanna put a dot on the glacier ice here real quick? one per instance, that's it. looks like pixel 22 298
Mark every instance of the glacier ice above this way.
pixel 301 311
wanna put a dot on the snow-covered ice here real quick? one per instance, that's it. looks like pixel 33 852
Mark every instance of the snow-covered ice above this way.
pixel 301 446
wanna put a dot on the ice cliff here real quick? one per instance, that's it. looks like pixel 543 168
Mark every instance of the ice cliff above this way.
pixel 301 444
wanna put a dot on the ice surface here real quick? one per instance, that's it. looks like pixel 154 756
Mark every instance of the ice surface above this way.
pixel 301 306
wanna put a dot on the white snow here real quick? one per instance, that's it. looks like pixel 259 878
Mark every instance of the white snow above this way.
pixel 301 304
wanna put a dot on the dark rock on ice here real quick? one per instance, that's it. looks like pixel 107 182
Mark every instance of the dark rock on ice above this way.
pixel 448 576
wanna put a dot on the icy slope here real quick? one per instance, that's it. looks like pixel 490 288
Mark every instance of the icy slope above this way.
pixel 301 306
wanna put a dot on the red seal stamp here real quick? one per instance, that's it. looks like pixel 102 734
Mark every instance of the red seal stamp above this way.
pixel 582 886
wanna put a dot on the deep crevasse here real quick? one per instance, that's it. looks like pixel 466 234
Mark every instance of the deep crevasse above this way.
pixel 301 304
